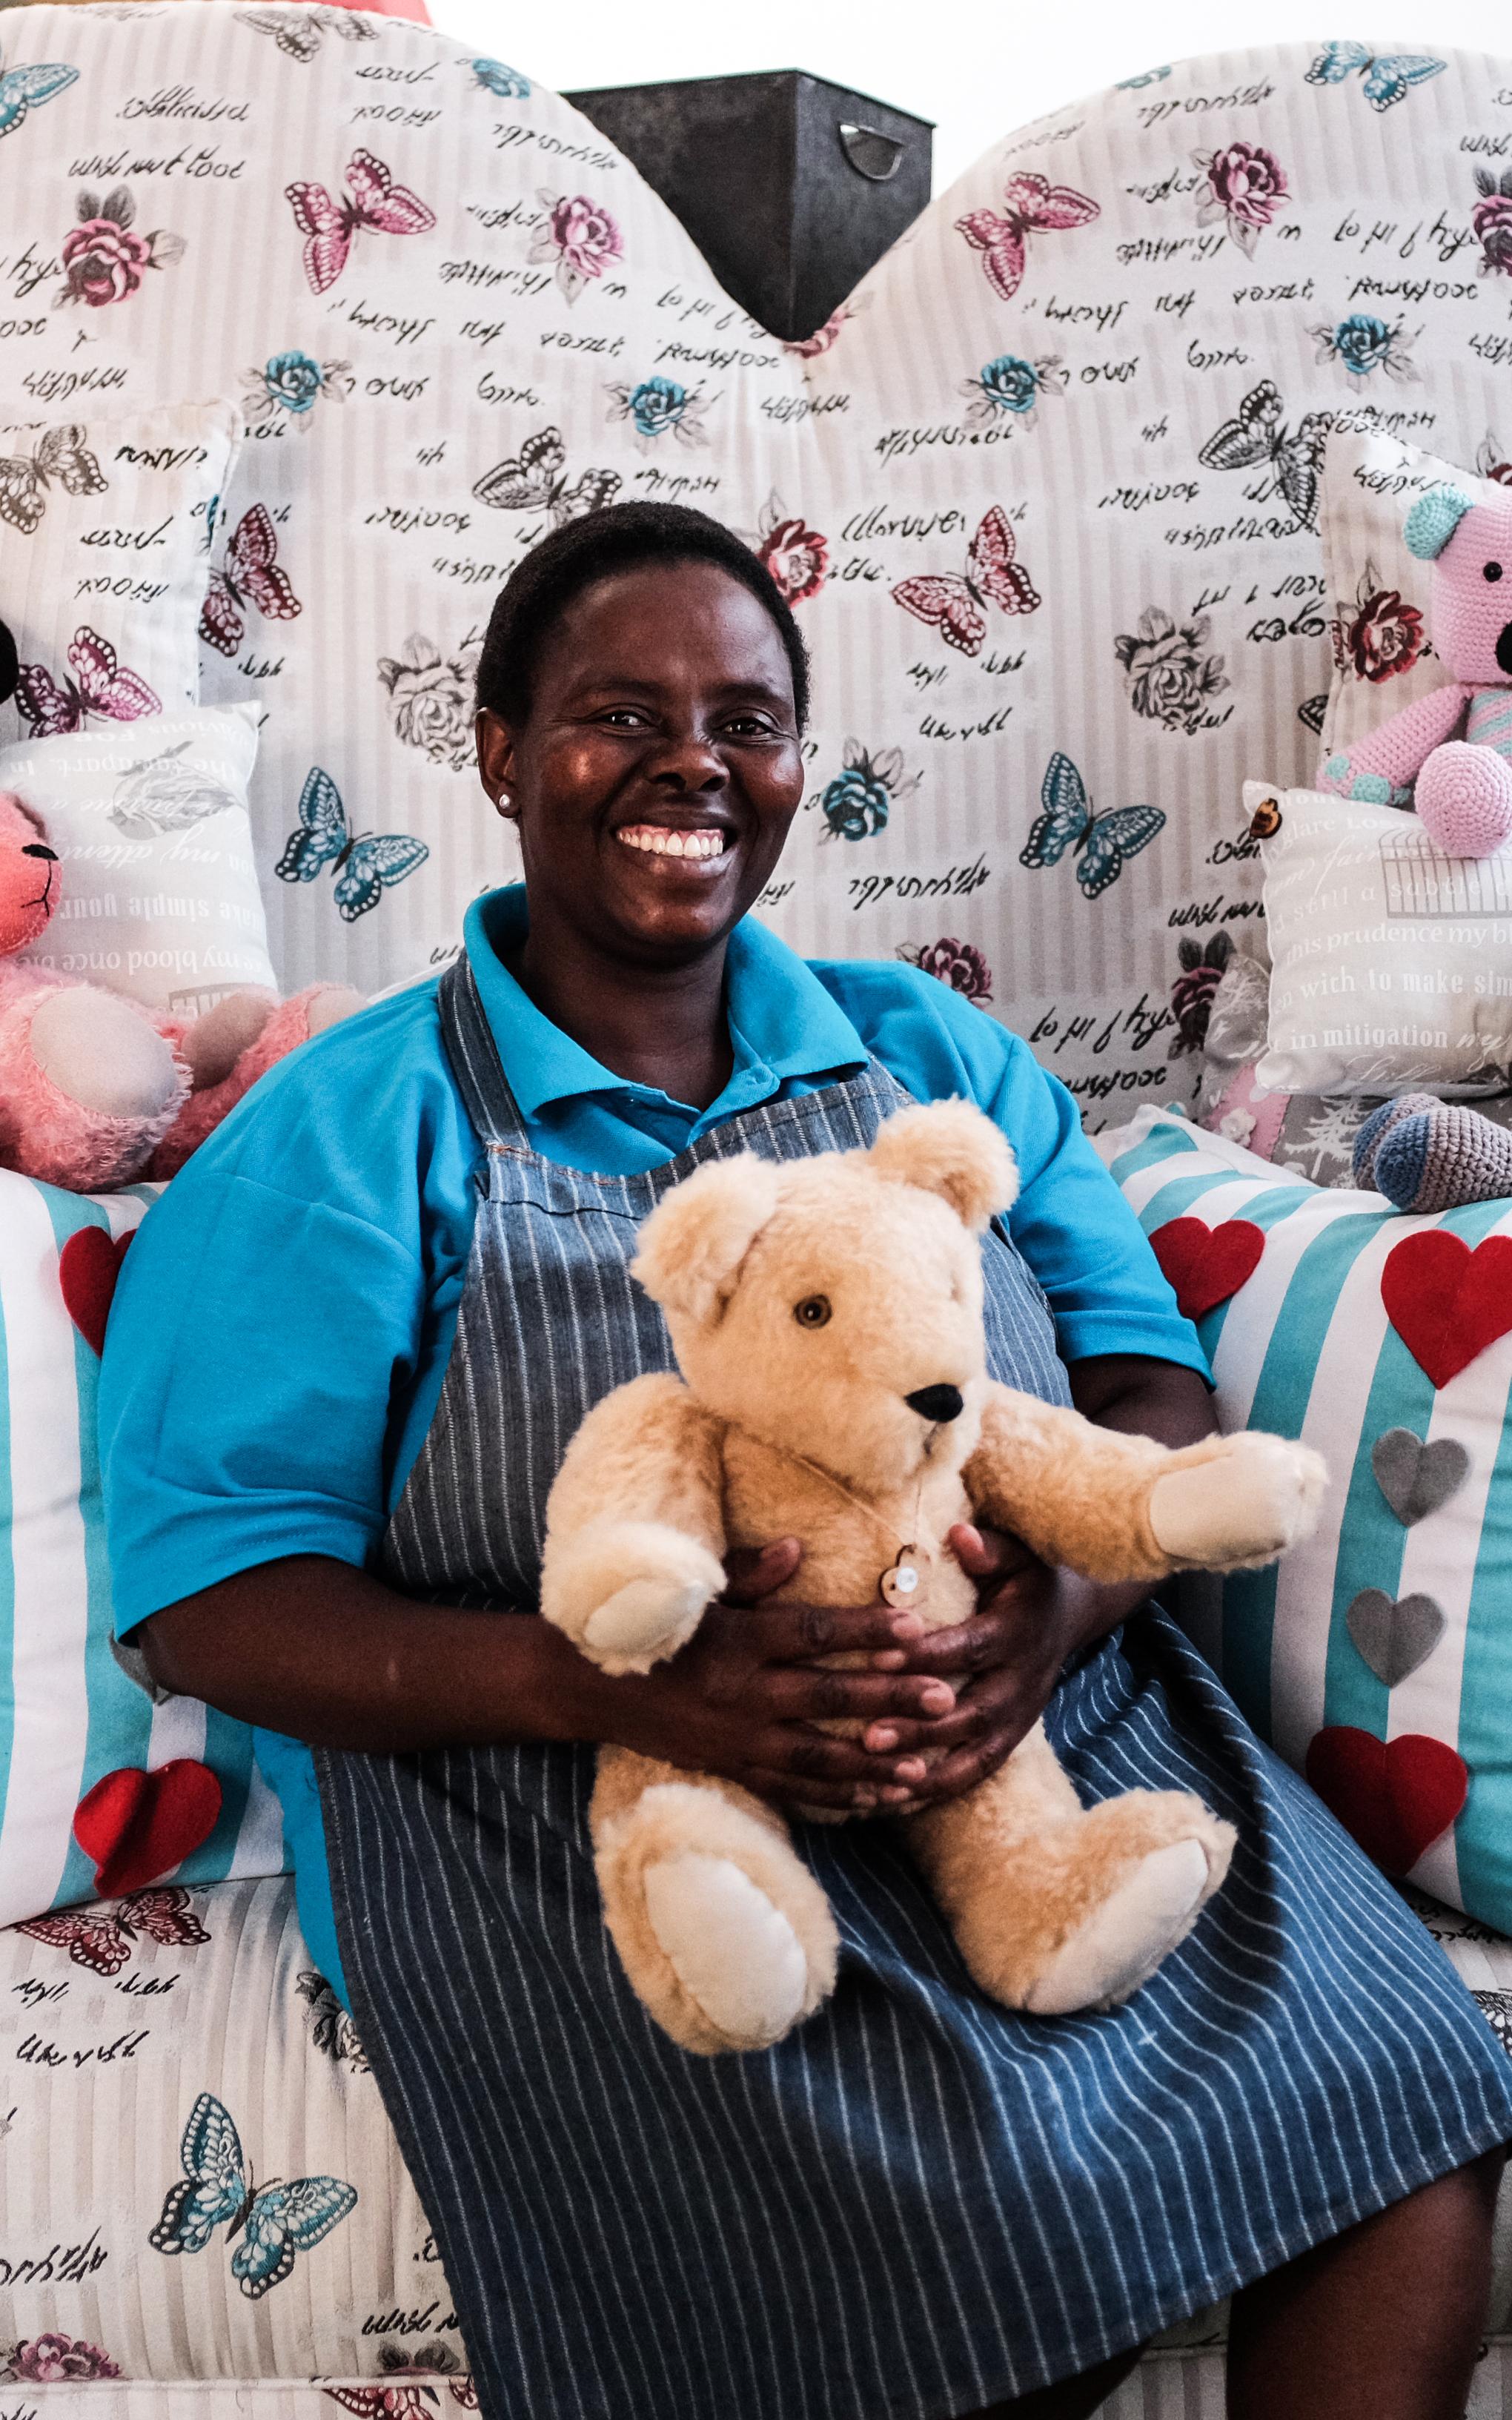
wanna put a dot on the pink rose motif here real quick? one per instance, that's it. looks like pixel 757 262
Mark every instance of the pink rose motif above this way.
pixel 797 558
pixel 580 238
pixel 959 963
pixel 105 262
pixel 1245 186
pixel 1492 222
pixel 51 2361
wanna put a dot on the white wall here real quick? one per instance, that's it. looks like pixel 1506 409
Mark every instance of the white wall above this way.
pixel 979 68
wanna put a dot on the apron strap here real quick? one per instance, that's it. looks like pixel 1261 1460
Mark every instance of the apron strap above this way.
pixel 475 1056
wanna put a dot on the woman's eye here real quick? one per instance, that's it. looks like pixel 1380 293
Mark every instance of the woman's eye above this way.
pixel 751 726
pixel 813 1312
pixel 624 717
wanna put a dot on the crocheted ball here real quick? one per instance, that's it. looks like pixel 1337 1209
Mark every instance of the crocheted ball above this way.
pixel 1464 799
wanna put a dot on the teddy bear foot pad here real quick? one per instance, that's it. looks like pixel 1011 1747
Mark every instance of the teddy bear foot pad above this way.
pixel 1119 1947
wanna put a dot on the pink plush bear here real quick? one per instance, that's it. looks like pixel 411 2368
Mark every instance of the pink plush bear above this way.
pixel 1461 787
pixel 96 1089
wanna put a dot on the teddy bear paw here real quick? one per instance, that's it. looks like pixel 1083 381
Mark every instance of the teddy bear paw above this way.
pixel 735 1954
pixel 628 1593
pixel 1240 1508
pixel 1122 1941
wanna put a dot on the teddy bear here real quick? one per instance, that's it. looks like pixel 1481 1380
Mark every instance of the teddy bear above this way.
pixel 826 1319
pixel 1450 753
pixel 94 1089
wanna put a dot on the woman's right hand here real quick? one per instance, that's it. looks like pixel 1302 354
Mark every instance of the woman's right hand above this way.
pixel 743 1698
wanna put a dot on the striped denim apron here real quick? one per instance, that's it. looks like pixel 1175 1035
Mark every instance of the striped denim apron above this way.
pixel 919 2203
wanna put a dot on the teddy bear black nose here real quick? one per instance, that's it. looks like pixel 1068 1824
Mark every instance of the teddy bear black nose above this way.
pixel 937 1403
pixel 1504 650
pixel 35 848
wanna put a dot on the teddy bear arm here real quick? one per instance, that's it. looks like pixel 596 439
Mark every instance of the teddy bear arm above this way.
pixel 1396 752
pixel 649 1452
pixel 1078 1494
pixel 635 1527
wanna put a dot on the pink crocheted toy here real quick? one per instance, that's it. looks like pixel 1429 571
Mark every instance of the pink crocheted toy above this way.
pixel 1450 753
pixel 96 1089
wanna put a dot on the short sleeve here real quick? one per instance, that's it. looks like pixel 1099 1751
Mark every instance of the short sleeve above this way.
pixel 255 1342
pixel 274 1309
pixel 1106 1288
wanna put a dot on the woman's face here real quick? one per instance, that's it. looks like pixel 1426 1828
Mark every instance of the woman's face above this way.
pixel 655 779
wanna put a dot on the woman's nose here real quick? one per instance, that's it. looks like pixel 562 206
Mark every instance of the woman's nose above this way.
pixel 937 1403
pixel 691 764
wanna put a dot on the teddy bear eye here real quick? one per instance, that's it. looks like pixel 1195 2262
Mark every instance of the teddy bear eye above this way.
pixel 813 1312
pixel 1493 571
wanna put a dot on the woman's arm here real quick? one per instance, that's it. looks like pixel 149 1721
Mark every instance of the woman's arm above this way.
pixel 324 1652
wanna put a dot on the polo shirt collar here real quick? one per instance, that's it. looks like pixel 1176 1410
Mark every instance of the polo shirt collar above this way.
pixel 783 1023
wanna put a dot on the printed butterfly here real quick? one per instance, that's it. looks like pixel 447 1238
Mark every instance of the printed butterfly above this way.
pixel 364 867
pixel 534 480
pixel 1102 842
pixel 25 89
pixel 954 605
pixel 1257 434
pixel 160 795
pixel 1386 79
pixel 249 576
pixel 25 478
pixel 101 1937
pixel 1031 203
pixel 99 686
pixel 278 2219
pixel 373 200
pixel 297 31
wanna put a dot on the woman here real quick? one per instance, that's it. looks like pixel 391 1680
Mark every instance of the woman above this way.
pixel 407 1253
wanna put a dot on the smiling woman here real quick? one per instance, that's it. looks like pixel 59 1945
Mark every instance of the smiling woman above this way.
pixel 412 1246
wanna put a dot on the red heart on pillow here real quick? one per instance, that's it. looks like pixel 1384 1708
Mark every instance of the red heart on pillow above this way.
pixel 88 1268
pixel 1394 1797
pixel 137 1825
pixel 1205 1265
pixel 1446 1302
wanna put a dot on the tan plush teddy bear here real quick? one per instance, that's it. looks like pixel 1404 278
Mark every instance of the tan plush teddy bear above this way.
pixel 826 1314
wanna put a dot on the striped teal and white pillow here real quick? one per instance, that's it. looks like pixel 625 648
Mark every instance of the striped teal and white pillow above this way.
pixel 1304 1348
pixel 68 1713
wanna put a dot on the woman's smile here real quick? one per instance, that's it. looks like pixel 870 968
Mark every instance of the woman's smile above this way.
pixel 685 844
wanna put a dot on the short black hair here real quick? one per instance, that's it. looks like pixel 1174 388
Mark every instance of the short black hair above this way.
pixel 618 538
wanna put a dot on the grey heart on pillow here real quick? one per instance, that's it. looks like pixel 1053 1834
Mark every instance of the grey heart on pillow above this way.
pixel 1394 1635
pixel 1415 1478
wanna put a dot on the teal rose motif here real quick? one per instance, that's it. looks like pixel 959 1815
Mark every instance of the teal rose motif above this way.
pixel 854 805
pixel 656 404
pixel 1010 383
pixel 1362 343
pixel 294 381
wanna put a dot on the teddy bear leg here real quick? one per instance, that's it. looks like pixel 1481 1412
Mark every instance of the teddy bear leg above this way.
pixel 1247 1499
pixel 628 1593
pixel 1465 799
pixel 1057 1907
pixel 87 1086
pixel 722 1930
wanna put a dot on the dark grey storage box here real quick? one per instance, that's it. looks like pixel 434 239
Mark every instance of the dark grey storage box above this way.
pixel 791 187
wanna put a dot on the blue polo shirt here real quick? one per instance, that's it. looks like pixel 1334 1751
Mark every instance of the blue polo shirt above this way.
pixel 283 1323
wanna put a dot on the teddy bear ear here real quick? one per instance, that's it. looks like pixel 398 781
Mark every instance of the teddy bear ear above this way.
pixel 696 1238
pixel 1433 521
pixel 949 1148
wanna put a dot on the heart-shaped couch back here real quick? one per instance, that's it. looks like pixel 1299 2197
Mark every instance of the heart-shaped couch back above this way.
pixel 1046 491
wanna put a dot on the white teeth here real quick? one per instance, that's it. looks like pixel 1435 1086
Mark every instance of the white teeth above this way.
pixel 660 840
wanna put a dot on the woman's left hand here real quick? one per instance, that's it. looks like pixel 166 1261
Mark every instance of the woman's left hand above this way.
pixel 1004 1662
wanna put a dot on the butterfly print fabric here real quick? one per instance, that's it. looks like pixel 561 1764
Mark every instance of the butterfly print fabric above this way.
pixel 1052 480
pixel 371 200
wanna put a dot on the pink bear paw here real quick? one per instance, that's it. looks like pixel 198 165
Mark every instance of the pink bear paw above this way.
pixel 1464 799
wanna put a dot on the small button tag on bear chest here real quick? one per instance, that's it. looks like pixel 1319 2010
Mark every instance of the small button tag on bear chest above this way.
pixel 900 1583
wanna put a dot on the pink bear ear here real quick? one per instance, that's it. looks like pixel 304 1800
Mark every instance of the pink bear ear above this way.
pixel 1433 521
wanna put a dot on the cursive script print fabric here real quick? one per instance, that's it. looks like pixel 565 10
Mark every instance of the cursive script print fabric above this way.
pixel 1045 490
